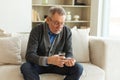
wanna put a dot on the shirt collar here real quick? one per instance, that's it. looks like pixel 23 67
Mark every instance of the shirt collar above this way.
pixel 51 33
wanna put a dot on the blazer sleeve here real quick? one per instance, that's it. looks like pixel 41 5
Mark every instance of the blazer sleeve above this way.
pixel 31 54
pixel 68 43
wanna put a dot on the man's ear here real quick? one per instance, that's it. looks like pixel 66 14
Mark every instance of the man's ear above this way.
pixel 48 20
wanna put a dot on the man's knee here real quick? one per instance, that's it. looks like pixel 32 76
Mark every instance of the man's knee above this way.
pixel 25 67
pixel 79 68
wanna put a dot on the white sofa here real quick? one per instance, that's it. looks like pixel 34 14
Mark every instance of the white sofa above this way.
pixel 91 52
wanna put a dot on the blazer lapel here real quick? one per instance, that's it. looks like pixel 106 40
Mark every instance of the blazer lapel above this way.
pixel 50 48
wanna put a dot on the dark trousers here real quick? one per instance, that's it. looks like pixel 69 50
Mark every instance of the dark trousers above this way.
pixel 31 71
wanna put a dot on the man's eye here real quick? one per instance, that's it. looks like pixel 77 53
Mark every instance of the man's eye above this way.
pixel 56 22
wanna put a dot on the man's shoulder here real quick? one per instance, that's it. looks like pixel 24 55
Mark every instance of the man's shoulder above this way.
pixel 38 27
pixel 67 28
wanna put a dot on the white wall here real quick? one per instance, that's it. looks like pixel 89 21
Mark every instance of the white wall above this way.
pixel 15 15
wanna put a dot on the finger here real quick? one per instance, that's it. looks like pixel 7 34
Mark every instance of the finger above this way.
pixel 71 63
pixel 61 64
pixel 68 63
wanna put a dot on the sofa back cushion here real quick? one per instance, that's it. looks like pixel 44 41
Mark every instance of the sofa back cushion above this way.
pixel 80 42
pixel 24 40
pixel 10 50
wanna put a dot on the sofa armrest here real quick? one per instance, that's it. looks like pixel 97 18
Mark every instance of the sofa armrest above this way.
pixel 106 54
pixel 97 51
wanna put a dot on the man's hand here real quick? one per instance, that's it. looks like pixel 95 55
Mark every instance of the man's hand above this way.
pixel 56 60
pixel 70 62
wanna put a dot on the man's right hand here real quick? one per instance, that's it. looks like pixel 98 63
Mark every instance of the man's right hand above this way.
pixel 56 60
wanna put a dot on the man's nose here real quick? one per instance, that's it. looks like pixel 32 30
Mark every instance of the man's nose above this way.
pixel 60 26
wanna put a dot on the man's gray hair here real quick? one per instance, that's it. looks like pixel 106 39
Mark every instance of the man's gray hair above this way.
pixel 56 9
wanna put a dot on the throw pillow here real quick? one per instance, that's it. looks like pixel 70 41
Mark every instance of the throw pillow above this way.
pixel 10 49
pixel 24 40
pixel 80 44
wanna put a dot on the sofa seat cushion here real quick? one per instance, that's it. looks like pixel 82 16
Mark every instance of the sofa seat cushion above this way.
pixel 10 72
pixel 92 72
pixel 51 77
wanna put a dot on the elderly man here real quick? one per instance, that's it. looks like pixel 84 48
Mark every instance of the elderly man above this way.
pixel 46 42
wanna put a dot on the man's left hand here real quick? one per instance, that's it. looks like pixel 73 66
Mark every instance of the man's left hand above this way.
pixel 70 62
